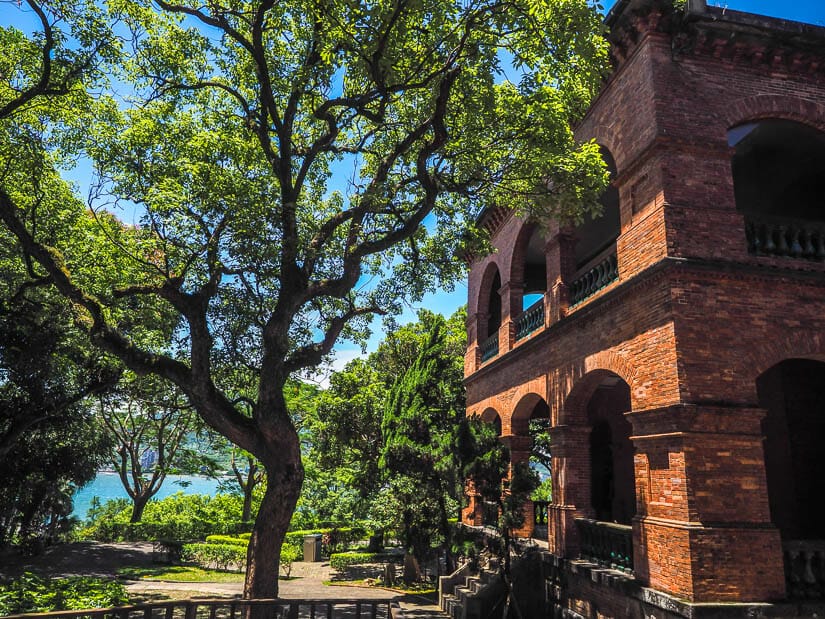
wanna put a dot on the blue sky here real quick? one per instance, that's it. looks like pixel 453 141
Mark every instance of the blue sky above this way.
pixel 810 11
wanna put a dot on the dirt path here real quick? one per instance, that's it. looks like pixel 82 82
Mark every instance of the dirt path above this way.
pixel 78 559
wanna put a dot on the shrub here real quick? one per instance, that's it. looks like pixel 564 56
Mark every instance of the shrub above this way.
pixel 32 594
pixel 342 559
pixel 237 540
pixel 218 556
pixel 289 554
pixel 180 516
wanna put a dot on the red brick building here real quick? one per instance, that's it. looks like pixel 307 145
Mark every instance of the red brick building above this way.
pixel 677 343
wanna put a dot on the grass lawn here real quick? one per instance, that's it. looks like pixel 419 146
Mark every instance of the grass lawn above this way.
pixel 179 573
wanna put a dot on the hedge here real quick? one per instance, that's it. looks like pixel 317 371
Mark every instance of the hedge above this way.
pixel 188 529
pixel 340 560
pixel 220 556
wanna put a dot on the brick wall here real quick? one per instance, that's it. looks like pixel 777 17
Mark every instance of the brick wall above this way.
pixel 692 320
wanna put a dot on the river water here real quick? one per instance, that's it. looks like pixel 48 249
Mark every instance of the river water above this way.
pixel 107 486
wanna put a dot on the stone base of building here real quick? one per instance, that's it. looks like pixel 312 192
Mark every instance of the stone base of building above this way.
pixel 575 589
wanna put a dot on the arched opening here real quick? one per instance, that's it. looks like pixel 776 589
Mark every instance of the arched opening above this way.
pixel 494 306
pixel 535 269
pixel 492 417
pixel 489 311
pixel 778 184
pixel 530 442
pixel 596 241
pixel 793 394
pixel 612 477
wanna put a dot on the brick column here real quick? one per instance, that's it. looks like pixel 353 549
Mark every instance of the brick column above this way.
pixel 519 446
pixel 511 296
pixel 472 514
pixel 472 356
pixel 571 487
pixel 702 530
pixel 560 256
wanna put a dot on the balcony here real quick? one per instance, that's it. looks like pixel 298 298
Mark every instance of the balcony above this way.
pixel 532 319
pixel 804 569
pixel 785 237
pixel 608 544
pixel 591 279
pixel 489 348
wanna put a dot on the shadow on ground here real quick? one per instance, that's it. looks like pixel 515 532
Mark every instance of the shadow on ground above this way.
pixel 77 559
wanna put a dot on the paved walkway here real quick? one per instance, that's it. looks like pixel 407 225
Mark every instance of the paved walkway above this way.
pixel 97 559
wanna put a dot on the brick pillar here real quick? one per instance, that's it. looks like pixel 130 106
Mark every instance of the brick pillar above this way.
pixel 511 296
pixel 519 446
pixel 702 530
pixel 472 514
pixel 571 487
pixel 472 356
pixel 560 256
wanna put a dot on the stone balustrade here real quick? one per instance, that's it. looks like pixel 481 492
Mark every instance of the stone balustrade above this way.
pixel 530 320
pixel 804 568
pixel 606 543
pixel 595 278
pixel 786 238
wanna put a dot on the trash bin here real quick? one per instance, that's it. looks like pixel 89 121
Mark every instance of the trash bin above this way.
pixel 312 548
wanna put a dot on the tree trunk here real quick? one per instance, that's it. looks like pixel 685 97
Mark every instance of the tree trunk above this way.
pixel 246 512
pixel 285 475
pixel 138 505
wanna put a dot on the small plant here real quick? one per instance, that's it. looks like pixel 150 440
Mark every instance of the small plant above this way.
pixel 289 554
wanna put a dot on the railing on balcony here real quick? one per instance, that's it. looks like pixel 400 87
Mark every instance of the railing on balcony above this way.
pixel 532 319
pixel 786 238
pixel 804 569
pixel 595 278
pixel 489 347
pixel 608 544
pixel 231 609
pixel 540 519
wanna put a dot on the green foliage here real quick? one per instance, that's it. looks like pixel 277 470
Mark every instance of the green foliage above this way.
pixel 180 517
pixel 228 143
pixel 544 491
pixel 341 560
pixel 289 554
pixel 228 539
pixel 32 594
pixel 219 556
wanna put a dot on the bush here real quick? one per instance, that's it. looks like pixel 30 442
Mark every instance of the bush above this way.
pixel 342 559
pixel 32 594
pixel 180 517
pixel 237 540
pixel 289 554
pixel 218 556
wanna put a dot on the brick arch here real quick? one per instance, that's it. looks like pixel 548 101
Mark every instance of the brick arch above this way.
pixel 792 346
pixel 762 107
pixel 491 415
pixel 586 377
pixel 518 253
pixel 484 289
pixel 609 139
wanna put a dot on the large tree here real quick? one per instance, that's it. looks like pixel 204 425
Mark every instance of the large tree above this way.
pixel 300 167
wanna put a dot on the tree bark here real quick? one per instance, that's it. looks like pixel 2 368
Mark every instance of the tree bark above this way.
pixel 138 506
pixel 285 475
